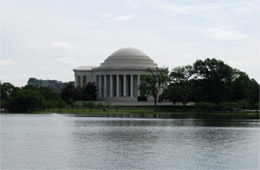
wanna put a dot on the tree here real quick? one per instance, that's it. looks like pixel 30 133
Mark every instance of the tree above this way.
pixel 71 103
pixel 172 93
pixel 254 94
pixel 153 83
pixel 70 92
pixel 215 77
pixel 240 86
pixel 89 92
pixel 59 104
pixel 6 89
pixel 181 85
pixel 25 100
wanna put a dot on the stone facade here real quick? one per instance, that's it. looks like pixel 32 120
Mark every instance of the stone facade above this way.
pixel 55 85
pixel 118 78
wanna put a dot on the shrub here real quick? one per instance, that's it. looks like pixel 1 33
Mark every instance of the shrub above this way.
pixel 229 106
pixel 90 105
pixel 206 106
pixel 142 98
pixel 25 100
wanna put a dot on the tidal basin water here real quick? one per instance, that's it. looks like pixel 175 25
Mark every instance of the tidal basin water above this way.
pixel 53 141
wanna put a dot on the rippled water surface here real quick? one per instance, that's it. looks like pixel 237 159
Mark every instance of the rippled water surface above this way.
pixel 52 141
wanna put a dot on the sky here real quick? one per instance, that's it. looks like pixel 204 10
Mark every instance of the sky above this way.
pixel 47 39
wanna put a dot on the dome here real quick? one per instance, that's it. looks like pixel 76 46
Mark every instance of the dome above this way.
pixel 128 52
pixel 128 58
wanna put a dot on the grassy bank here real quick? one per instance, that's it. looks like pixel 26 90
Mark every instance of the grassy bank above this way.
pixel 149 113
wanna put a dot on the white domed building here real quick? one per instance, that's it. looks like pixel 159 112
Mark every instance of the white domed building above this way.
pixel 118 77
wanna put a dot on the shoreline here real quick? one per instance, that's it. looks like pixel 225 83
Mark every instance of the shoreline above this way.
pixel 152 114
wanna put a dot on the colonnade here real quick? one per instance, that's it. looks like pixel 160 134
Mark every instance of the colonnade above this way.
pixel 81 81
pixel 118 85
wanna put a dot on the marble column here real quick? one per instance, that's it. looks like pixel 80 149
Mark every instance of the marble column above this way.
pixel 105 85
pixel 138 84
pixel 81 81
pixel 76 81
pixel 111 85
pixel 131 85
pixel 117 85
pixel 124 85
pixel 99 85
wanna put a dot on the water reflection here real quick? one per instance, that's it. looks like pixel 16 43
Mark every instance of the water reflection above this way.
pixel 67 142
pixel 160 143
pixel 166 122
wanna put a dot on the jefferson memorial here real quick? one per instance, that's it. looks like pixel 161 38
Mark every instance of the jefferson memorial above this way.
pixel 118 77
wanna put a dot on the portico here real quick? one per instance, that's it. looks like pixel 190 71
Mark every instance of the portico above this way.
pixel 118 78
pixel 118 85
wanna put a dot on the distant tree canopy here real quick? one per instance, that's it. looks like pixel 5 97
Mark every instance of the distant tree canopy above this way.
pixel 6 89
pixel 89 92
pixel 212 81
pixel 25 99
pixel 215 78
pixel 32 98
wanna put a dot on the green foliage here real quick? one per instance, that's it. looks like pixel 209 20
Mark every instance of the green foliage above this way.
pixel 240 85
pixel 89 92
pixel 69 92
pixel 100 105
pixel 59 103
pixel 172 93
pixel 213 81
pixel 206 106
pixel 254 92
pixel 153 83
pixel 6 89
pixel 181 74
pixel 215 77
pixel 28 98
pixel 222 87
pixel 181 85
pixel 108 106
pixel 142 98
pixel 229 106
pixel 71 102
pixel 25 100
pixel 90 105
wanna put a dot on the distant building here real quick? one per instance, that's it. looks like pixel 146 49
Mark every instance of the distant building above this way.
pixel 118 78
pixel 57 86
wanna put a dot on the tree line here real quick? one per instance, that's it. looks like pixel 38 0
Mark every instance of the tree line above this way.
pixel 211 84
pixel 31 98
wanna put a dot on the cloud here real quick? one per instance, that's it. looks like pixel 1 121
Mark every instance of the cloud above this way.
pixel 118 17
pixel 166 30
pixel 226 33
pixel 124 17
pixel 6 62
pixel 62 44
pixel 219 32
pixel 188 8
pixel 185 8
